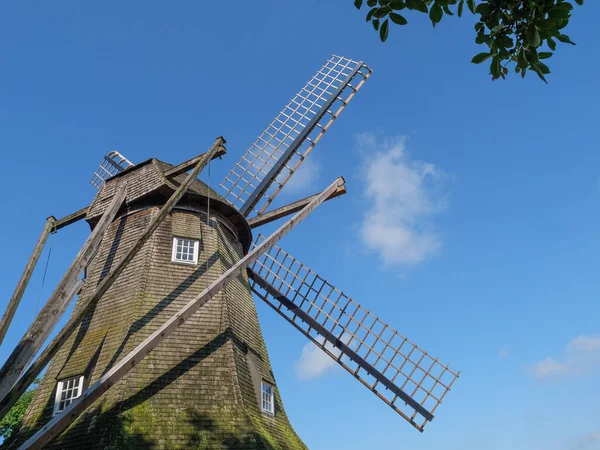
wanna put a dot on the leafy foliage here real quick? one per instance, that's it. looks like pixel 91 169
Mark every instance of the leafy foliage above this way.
pixel 12 421
pixel 515 31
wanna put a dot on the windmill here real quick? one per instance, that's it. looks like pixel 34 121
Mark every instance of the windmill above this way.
pixel 163 348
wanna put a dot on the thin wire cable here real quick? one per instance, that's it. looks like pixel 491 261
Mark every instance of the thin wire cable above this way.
pixel 208 209
pixel 37 306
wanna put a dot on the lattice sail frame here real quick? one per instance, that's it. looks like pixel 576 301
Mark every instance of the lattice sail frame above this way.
pixel 273 158
pixel 405 377
pixel 112 164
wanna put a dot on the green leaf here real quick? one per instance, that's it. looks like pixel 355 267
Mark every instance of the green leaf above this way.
pixel 546 24
pixel 447 10
pixel 544 55
pixel 419 5
pixel 495 67
pixel 461 6
pixel 559 14
pixel 375 23
pixel 358 3
pixel 541 75
pixel 371 3
pixel 564 38
pixel 565 5
pixel 480 57
pixel 532 36
pixel 398 19
pixel 484 9
pixel 370 14
pixel 471 5
pixel 543 68
pixel 435 14
pixel 522 60
pixel 551 44
pixel 383 31
pixel 381 13
pixel 579 2
pixel 397 5
pixel 482 38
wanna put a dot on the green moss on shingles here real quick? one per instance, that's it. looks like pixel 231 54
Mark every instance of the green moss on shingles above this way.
pixel 192 391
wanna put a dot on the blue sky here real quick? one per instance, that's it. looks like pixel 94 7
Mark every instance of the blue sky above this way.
pixel 486 256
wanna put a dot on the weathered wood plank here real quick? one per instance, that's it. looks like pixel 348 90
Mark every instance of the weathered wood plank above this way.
pixel 14 301
pixel 38 365
pixel 45 321
pixel 187 165
pixel 289 209
pixel 71 218
pixel 63 420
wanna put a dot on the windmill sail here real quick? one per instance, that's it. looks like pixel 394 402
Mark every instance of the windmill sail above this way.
pixel 112 164
pixel 405 377
pixel 272 159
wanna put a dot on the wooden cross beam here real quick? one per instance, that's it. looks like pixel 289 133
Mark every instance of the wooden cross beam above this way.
pixel 43 324
pixel 7 400
pixel 71 218
pixel 290 209
pixel 63 420
pixel 14 301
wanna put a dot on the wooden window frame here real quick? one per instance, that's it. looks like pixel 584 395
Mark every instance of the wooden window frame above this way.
pixel 196 251
pixel 59 390
pixel 271 401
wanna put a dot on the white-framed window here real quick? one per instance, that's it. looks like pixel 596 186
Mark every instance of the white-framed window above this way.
pixel 268 400
pixel 67 391
pixel 185 250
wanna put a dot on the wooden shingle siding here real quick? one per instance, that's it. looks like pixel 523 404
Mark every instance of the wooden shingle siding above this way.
pixel 146 179
pixel 195 390
pixel 147 184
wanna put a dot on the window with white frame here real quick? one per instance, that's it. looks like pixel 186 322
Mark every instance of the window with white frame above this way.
pixel 185 250
pixel 268 400
pixel 67 391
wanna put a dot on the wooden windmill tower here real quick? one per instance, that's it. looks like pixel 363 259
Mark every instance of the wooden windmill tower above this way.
pixel 163 348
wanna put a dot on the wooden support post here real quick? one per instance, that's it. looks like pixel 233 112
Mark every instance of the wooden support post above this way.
pixel 14 301
pixel 38 365
pixel 63 420
pixel 289 209
pixel 187 165
pixel 50 314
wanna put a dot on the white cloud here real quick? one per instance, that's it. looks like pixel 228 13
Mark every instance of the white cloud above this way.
pixel 581 356
pixel 304 178
pixel 314 362
pixel 404 195
pixel 589 441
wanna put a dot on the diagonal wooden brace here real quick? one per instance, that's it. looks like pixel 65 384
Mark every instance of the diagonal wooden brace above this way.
pixel 14 301
pixel 187 165
pixel 62 421
pixel 7 400
pixel 46 320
